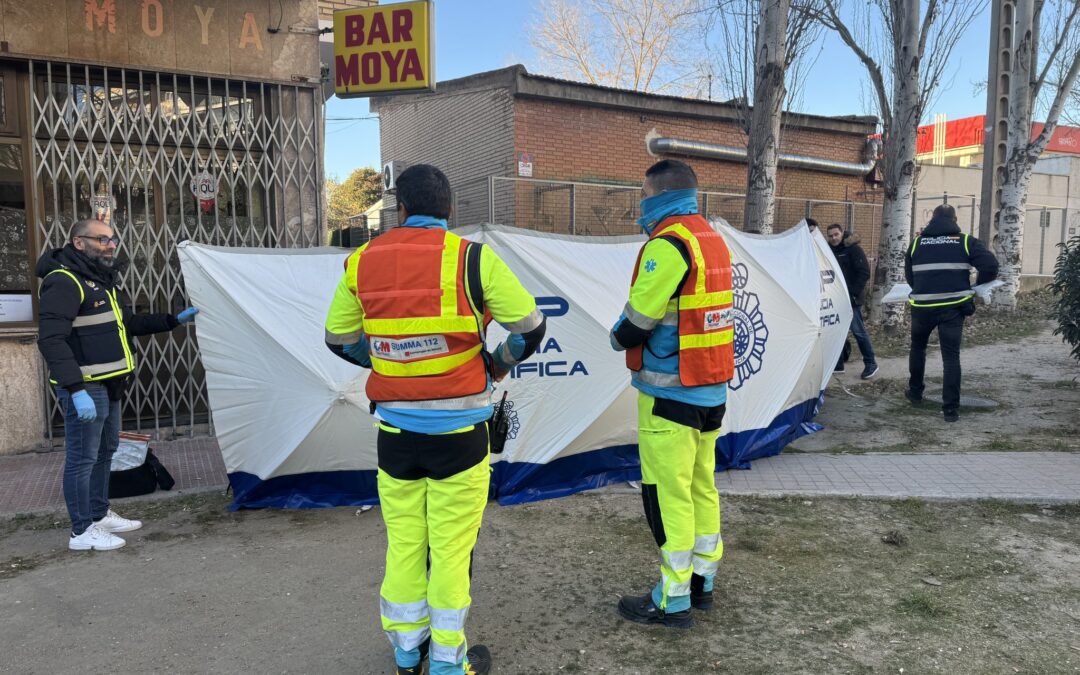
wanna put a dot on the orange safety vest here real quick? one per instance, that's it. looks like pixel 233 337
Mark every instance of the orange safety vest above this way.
pixel 702 309
pixel 424 330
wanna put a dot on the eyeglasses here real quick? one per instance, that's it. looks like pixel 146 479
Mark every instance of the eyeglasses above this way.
pixel 102 240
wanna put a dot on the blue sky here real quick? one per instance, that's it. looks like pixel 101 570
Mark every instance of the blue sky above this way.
pixel 472 36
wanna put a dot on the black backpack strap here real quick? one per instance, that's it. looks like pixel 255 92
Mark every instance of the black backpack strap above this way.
pixel 474 287
pixel 474 290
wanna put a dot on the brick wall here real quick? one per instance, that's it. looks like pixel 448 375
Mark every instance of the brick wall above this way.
pixel 575 142
pixel 328 7
pixel 469 135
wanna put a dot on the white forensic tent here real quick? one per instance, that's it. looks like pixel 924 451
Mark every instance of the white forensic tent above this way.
pixel 293 422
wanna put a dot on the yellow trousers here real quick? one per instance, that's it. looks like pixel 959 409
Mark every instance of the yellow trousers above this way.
pixel 682 505
pixel 440 517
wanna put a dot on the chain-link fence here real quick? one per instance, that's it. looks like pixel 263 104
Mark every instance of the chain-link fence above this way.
pixel 1045 227
pixel 606 209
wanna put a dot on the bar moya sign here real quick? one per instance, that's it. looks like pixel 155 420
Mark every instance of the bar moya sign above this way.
pixel 384 50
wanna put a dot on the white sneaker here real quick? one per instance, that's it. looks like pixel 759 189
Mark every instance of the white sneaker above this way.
pixel 96 539
pixel 115 523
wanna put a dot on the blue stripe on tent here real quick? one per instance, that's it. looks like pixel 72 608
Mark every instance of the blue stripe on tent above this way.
pixel 522 482
pixel 319 489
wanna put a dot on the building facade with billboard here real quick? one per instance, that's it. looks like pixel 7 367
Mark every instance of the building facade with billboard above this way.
pixel 179 120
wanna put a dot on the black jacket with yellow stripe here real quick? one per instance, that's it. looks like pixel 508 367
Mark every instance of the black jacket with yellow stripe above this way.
pixel 85 327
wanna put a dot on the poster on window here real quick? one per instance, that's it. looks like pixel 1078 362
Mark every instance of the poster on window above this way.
pixel 205 188
pixel 102 205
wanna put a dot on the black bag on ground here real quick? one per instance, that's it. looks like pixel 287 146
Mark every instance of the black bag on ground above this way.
pixel 142 480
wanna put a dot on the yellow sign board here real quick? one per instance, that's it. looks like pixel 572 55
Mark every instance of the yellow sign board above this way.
pixel 384 50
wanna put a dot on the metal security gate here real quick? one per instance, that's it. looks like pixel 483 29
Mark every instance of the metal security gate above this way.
pixel 140 138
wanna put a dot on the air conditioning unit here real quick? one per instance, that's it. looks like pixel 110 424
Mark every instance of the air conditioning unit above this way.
pixel 390 172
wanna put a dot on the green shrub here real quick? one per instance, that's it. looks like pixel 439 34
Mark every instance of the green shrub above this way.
pixel 1065 306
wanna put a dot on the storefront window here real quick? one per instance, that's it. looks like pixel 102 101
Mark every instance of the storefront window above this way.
pixel 16 303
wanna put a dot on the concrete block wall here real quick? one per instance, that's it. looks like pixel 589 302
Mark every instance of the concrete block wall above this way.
pixel 469 135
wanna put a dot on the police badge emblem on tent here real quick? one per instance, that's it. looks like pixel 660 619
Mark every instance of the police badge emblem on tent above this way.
pixel 751 333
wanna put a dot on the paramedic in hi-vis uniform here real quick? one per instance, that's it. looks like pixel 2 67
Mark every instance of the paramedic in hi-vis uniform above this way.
pixel 677 333
pixel 413 306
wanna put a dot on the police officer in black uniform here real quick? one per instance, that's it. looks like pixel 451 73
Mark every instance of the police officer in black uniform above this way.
pixel 85 332
pixel 938 267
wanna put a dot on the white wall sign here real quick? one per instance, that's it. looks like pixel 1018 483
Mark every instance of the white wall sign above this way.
pixel 525 164
pixel 16 307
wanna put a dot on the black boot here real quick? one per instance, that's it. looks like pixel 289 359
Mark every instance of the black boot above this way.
pixel 478 659
pixel 640 609
pixel 699 597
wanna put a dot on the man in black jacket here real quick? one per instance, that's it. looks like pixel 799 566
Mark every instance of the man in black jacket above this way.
pixel 84 334
pixel 856 272
pixel 938 267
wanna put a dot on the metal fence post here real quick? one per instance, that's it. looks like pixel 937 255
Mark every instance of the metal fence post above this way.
pixel 573 209
pixel 1044 224
pixel 705 204
pixel 971 230
pixel 491 199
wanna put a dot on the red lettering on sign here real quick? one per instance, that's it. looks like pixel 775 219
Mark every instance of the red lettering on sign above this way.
pixel 378 30
pixel 354 30
pixel 347 72
pixel 104 14
pixel 370 68
pixel 412 67
pixel 393 59
pixel 402 20
pixel 154 27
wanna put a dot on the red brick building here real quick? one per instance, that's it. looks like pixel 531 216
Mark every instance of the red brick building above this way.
pixel 561 156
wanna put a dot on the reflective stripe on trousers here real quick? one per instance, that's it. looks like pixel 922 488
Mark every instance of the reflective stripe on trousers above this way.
pixel 441 517
pixel 680 462
pixel 708 549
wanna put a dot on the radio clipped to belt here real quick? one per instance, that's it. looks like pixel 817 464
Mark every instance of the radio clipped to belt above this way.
pixel 500 426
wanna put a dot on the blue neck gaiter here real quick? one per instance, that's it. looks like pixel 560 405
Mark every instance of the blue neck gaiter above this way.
pixel 672 203
pixel 424 221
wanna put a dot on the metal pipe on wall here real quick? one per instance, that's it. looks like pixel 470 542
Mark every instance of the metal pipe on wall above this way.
pixel 660 145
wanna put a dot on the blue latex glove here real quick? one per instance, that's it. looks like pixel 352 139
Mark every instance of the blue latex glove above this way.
pixel 84 406
pixel 358 351
pixel 188 315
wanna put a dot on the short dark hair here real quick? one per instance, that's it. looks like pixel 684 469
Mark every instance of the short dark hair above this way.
pixel 81 227
pixel 945 211
pixel 424 190
pixel 835 226
pixel 810 222
pixel 671 174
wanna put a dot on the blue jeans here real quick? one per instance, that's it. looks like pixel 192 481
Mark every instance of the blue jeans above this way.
pixel 862 338
pixel 89 448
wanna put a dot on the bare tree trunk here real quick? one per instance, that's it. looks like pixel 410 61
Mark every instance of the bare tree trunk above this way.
pixel 763 147
pixel 1018 165
pixel 901 132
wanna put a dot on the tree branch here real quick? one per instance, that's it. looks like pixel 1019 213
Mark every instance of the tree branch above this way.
pixel 832 21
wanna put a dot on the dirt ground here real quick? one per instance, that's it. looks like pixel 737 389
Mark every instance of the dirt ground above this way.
pixel 805 587
pixel 1032 378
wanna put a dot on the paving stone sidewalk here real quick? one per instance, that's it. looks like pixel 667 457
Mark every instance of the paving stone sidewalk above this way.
pixel 33 482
